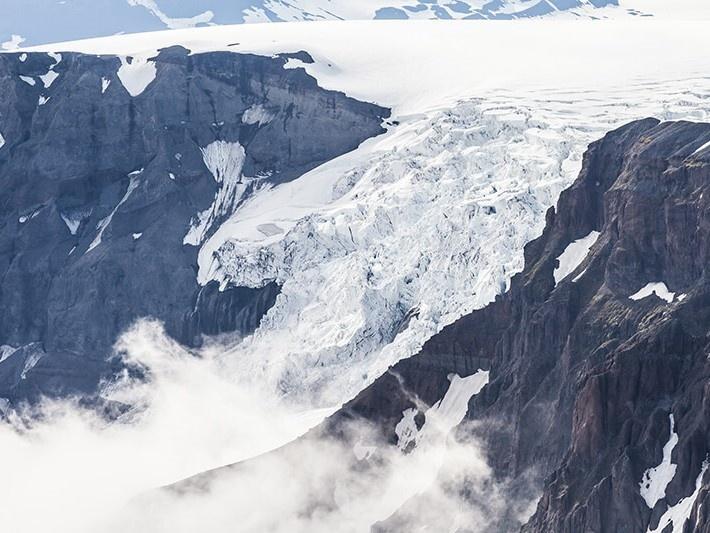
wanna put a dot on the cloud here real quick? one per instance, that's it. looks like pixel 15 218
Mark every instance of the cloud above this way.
pixel 66 469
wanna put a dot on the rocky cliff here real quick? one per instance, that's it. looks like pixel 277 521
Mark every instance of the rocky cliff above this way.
pixel 115 170
pixel 598 354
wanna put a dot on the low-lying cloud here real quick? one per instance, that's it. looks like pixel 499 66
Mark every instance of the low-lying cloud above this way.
pixel 66 469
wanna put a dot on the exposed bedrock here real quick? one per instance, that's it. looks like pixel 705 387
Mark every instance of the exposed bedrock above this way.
pixel 115 170
pixel 586 372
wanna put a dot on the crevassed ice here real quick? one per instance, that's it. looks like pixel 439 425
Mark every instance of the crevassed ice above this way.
pixel 658 288
pixel 384 246
pixel 655 480
pixel 573 256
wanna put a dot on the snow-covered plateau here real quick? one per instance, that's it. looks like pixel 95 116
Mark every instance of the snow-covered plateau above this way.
pixel 45 21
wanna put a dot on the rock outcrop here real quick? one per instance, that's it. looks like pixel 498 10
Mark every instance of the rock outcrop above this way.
pixel 115 170
pixel 591 372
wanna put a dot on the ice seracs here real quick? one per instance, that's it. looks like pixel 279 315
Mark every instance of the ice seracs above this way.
pixel 573 256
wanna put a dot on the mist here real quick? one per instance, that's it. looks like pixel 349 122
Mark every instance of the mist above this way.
pixel 68 469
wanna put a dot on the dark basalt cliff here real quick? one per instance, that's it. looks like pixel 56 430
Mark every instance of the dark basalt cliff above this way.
pixel 583 378
pixel 99 189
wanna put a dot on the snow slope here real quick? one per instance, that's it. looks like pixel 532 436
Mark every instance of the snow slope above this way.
pixel 381 248
pixel 42 21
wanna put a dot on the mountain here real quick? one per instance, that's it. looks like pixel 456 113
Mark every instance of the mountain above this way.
pixel 218 236
pixel 109 190
pixel 45 21
pixel 589 374
pixel 598 353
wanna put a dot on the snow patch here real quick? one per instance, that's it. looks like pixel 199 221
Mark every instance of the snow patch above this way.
pixel 28 80
pixel 573 256
pixel 679 514
pixel 655 480
pixel 48 78
pixel 137 236
pixel 657 288
pixel 136 73
pixel 42 100
pixel 23 58
pixel 2 140
pixel 104 84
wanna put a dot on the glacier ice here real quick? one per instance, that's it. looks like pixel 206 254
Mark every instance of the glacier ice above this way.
pixel 383 247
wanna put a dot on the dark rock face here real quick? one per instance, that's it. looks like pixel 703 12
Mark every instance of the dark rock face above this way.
pixel 99 189
pixel 583 378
